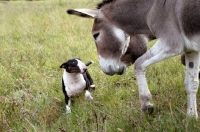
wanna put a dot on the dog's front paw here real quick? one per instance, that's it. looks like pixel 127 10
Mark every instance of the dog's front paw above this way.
pixel 92 87
pixel 88 95
pixel 89 98
pixel 68 109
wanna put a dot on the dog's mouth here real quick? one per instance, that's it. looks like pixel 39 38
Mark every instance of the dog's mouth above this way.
pixel 73 69
pixel 83 70
pixel 77 70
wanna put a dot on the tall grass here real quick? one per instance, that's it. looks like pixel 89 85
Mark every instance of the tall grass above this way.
pixel 36 37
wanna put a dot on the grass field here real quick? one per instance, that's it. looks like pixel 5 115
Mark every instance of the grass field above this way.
pixel 36 37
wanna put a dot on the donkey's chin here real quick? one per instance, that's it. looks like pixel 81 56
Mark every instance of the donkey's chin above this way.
pixel 114 70
pixel 112 66
pixel 123 70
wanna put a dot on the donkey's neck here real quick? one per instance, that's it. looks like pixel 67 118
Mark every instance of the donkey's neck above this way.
pixel 129 15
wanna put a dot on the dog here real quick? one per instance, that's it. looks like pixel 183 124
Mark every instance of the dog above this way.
pixel 76 79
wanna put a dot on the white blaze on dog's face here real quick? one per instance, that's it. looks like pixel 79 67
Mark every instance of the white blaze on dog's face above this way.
pixel 81 66
pixel 74 66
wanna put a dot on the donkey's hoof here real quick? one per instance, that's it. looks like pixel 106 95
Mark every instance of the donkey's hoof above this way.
pixel 148 109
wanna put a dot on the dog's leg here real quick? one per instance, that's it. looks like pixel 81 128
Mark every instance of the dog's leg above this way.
pixel 67 98
pixel 68 103
pixel 88 95
pixel 89 81
pixel 88 86
pixel 192 82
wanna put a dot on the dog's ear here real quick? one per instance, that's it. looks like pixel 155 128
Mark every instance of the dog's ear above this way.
pixel 62 66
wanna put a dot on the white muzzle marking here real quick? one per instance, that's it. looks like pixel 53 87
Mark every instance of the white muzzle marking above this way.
pixel 112 66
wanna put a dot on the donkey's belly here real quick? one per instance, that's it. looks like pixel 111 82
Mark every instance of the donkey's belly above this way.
pixel 192 43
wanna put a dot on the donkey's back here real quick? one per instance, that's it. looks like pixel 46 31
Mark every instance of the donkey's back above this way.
pixel 180 15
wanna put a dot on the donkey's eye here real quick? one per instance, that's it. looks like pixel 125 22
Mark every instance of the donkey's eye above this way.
pixel 96 35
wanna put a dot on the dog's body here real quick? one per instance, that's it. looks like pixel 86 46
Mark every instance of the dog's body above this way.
pixel 75 80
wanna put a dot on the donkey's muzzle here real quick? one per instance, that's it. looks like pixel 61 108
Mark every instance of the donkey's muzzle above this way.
pixel 114 70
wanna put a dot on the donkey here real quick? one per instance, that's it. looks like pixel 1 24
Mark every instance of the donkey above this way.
pixel 175 24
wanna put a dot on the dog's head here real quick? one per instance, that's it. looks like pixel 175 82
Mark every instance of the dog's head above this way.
pixel 74 66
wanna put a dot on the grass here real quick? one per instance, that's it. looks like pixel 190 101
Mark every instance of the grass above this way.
pixel 36 37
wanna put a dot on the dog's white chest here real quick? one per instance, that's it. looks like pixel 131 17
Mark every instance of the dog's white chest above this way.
pixel 74 83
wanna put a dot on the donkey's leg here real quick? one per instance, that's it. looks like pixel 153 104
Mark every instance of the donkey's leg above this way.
pixel 183 62
pixel 160 51
pixel 192 81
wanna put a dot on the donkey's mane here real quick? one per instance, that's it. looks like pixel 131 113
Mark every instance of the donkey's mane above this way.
pixel 104 2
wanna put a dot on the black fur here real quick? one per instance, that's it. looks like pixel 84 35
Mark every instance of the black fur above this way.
pixel 71 66
pixel 191 17
pixel 65 93
pixel 104 2
pixel 88 81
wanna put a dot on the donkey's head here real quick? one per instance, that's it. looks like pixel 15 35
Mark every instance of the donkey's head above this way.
pixel 116 48
pixel 111 41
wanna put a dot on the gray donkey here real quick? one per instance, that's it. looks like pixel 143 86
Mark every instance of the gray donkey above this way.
pixel 176 25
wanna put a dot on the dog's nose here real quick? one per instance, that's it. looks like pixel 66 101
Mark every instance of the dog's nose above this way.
pixel 84 69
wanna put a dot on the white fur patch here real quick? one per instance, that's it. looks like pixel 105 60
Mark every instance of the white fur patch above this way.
pixel 68 109
pixel 111 65
pixel 119 34
pixel 92 86
pixel 193 43
pixel 81 65
pixel 123 38
pixel 74 83
pixel 88 95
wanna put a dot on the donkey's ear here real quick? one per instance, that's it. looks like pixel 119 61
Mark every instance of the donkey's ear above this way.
pixel 88 13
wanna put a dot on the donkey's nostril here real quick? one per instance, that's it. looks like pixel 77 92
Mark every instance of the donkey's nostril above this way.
pixel 122 71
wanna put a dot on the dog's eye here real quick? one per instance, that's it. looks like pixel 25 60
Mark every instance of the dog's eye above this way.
pixel 95 35
pixel 74 63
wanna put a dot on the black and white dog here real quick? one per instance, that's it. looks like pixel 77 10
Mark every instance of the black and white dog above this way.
pixel 75 80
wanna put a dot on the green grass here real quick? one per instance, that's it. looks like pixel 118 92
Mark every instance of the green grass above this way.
pixel 36 37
